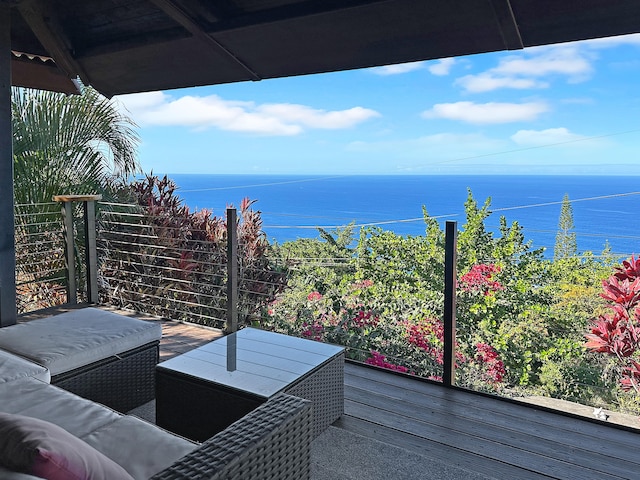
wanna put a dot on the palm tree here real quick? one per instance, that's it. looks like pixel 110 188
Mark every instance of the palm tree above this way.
pixel 69 144
pixel 61 145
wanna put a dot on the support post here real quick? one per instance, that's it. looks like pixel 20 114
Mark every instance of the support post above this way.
pixel 450 260
pixel 8 310
pixel 91 254
pixel 232 271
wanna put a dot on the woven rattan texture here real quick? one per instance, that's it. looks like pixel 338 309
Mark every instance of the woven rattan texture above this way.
pixel 122 383
pixel 325 388
pixel 273 442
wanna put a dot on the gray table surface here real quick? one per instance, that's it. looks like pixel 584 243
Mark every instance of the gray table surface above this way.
pixel 252 360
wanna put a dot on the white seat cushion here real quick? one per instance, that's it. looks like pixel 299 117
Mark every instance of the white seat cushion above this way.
pixel 33 398
pixel 13 367
pixel 10 475
pixel 141 448
pixel 77 338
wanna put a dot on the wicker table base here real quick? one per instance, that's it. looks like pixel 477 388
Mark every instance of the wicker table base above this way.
pixel 203 391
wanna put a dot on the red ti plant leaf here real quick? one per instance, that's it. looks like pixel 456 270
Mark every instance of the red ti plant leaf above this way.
pixel 603 334
pixel 623 346
pixel 623 292
pixel 631 377
pixel 618 335
pixel 630 269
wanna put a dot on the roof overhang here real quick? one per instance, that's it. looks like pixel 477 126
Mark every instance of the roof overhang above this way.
pixel 125 46
pixel 41 73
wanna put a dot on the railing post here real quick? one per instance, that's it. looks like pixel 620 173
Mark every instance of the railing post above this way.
pixel 67 219
pixel 450 259
pixel 91 251
pixel 90 245
pixel 232 271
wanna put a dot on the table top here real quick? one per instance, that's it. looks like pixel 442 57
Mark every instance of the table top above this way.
pixel 252 360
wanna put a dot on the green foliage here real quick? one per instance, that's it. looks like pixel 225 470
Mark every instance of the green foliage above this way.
pixel 529 313
pixel 405 283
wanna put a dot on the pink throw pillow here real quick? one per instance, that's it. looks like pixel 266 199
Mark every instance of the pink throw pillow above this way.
pixel 40 448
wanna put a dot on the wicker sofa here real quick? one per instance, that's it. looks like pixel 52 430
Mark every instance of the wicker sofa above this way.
pixel 271 442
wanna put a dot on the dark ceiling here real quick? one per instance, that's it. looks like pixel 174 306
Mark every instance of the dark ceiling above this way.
pixel 123 46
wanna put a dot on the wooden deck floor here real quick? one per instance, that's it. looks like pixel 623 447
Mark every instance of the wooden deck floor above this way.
pixel 493 437
pixel 497 438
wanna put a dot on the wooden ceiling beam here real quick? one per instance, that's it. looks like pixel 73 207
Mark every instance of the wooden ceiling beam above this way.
pixel 508 24
pixel 183 18
pixel 224 22
pixel 304 9
pixel 50 34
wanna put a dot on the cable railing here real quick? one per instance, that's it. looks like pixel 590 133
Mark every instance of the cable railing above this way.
pixel 153 264
pixel 40 260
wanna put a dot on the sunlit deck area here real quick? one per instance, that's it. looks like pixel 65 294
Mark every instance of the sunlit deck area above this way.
pixel 458 434
pixel 399 427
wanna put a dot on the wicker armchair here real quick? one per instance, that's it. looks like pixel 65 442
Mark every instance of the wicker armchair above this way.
pixel 272 442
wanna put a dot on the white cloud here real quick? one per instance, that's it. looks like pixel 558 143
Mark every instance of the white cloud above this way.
pixel 442 67
pixel 610 42
pixel 313 118
pixel 157 108
pixel 487 113
pixel 550 136
pixel 445 142
pixel 486 82
pixel 398 69
pixel 523 71
pixel 563 60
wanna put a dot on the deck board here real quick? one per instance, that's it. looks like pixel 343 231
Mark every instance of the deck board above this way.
pixel 487 410
pixel 499 438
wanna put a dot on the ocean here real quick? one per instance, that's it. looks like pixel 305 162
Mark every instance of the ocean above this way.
pixel 604 208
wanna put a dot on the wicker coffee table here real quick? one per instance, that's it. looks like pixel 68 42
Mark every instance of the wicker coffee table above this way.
pixel 201 392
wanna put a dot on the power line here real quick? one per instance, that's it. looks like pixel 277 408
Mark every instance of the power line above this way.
pixel 437 217
pixel 270 184
pixel 575 140
pixel 601 197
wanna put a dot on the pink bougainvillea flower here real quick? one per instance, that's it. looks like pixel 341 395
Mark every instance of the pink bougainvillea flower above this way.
pixel 379 360
pixel 364 319
pixel 480 279
pixel 428 335
pixel 489 358
pixel 314 296
pixel 313 331
pixel 362 284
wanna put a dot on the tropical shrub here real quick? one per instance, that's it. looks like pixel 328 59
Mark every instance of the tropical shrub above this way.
pixel 163 259
pixel 617 334
pixel 520 317
pixel 386 301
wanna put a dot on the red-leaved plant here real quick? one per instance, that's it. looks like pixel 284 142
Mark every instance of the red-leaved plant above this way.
pixel 618 334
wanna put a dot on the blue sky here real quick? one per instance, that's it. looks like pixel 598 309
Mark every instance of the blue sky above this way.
pixel 565 109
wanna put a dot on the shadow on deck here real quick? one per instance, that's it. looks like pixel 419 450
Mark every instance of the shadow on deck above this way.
pixel 452 432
